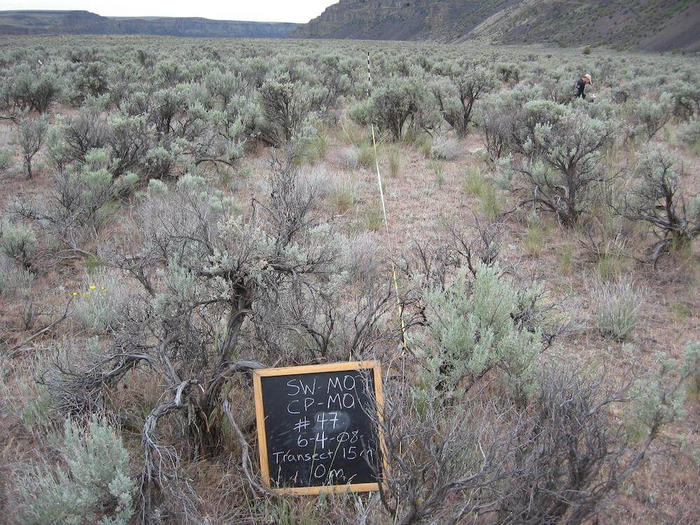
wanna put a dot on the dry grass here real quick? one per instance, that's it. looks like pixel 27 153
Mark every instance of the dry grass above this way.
pixel 418 202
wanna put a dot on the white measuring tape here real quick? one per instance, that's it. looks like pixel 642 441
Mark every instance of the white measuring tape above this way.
pixel 386 220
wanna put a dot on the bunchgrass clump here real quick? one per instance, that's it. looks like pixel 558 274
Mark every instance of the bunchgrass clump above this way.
pixel 534 240
pixel 394 156
pixel 342 195
pixel 353 133
pixel 425 146
pixel 373 219
pixel 319 146
pixel 439 171
pixel 490 202
pixel 612 266
pixel 617 305
pixel 13 278
pixel 445 148
pixel 365 156
pixel 566 258
pixel 99 304
pixel 358 157
pixel 350 157
pixel 474 182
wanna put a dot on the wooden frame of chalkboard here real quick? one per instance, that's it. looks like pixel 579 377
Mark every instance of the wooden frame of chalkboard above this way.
pixel 260 415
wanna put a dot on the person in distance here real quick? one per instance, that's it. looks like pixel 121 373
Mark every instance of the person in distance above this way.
pixel 581 84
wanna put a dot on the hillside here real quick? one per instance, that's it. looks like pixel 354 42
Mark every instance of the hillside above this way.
pixel 652 25
pixel 86 23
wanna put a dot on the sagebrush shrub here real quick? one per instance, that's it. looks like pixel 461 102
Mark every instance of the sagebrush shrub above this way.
pixel 90 80
pixel 657 199
pixel 476 327
pixel 458 91
pixel 57 151
pixel 286 108
pixel 686 98
pixel 158 163
pixel 90 485
pixel 83 192
pixel 34 91
pixel 157 188
pixel 19 242
pixel 396 106
pixel 502 117
pixel 81 133
pixel 77 203
pixel 5 160
pixel 508 73
pixel 32 134
pixel 129 139
pixel 649 116
pixel 564 164
pixel 689 133
pixel 223 85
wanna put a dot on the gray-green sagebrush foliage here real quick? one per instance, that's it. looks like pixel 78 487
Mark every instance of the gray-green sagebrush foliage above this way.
pixel 649 116
pixel 79 201
pixel 19 242
pixel 286 108
pixel 32 134
pixel 6 160
pixel 479 426
pixel 31 90
pixel 564 168
pixel 481 323
pixel 657 199
pixel 458 89
pixel 91 483
pixel 216 290
pixel 396 106
pixel 487 423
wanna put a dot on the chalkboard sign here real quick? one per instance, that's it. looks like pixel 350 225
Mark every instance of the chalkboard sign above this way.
pixel 317 427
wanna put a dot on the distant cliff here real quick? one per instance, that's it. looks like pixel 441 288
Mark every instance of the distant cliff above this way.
pixel 86 23
pixel 632 24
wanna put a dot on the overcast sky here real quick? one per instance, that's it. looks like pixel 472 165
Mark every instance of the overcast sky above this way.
pixel 256 10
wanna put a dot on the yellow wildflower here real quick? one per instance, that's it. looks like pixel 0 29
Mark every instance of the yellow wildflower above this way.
pixel 93 287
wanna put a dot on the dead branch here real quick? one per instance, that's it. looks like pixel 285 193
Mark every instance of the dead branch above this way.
pixel 16 350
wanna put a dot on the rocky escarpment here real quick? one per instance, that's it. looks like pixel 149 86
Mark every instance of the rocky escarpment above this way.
pixel 86 23
pixel 631 24
pixel 401 19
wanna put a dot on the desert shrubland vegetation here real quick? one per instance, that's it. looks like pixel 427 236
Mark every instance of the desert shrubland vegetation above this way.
pixel 177 213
